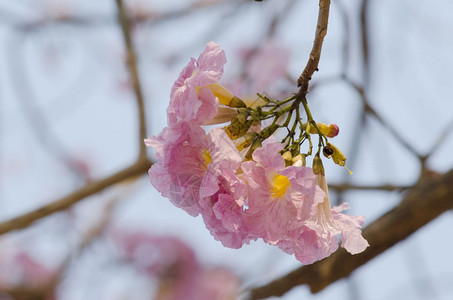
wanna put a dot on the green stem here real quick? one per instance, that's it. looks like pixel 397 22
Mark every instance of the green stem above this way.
pixel 310 117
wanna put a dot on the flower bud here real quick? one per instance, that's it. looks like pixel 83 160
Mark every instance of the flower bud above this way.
pixel 268 131
pixel 239 125
pixel 257 143
pixel 330 130
pixel 288 157
pixel 318 168
pixel 225 96
pixel 245 140
pixel 299 160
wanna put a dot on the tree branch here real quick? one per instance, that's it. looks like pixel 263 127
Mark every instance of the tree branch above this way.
pixel 133 72
pixel 137 169
pixel 378 187
pixel 370 110
pixel 315 54
pixel 427 200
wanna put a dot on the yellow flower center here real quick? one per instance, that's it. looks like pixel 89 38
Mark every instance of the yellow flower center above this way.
pixel 206 157
pixel 280 184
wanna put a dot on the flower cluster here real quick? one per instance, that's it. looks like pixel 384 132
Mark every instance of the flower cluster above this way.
pixel 243 182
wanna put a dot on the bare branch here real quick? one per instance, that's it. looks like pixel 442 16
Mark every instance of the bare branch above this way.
pixel 365 40
pixel 431 197
pixel 98 20
pixel 137 169
pixel 370 110
pixel 40 125
pixel 315 54
pixel 133 72
pixel 382 187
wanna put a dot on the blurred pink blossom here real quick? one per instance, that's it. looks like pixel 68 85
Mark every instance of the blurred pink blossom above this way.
pixel 20 270
pixel 173 265
pixel 268 64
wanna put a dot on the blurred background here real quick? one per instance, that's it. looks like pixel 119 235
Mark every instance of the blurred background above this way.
pixel 68 117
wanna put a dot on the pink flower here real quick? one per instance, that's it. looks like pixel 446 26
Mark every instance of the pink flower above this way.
pixel 307 246
pixel 351 235
pixel 198 174
pixel 190 99
pixel 317 238
pixel 329 222
pixel 224 211
pixel 267 65
pixel 280 198
pixel 182 158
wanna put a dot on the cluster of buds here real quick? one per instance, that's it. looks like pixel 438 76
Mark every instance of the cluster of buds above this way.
pixel 243 181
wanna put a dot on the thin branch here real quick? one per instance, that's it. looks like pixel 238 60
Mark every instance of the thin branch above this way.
pixel 346 41
pixel 365 41
pixel 315 54
pixel 440 140
pixel 137 169
pixel 99 20
pixel 39 124
pixel 382 187
pixel 133 72
pixel 432 196
pixel 370 110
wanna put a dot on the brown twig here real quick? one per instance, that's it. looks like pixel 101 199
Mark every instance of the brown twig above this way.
pixel 137 169
pixel 133 72
pixel 431 197
pixel 98 20
pixel 40 125
pixel 383 187
pixel 371 111
pixel 315 54
pixel 365 41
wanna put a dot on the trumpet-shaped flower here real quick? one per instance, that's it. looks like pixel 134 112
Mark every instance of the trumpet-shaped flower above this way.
pixel 224 210
pixel 325 225
pixel 198 174
pixel 307 246
pixel 182 158
pixel 280 198
pixel 190 98
pixel 317 238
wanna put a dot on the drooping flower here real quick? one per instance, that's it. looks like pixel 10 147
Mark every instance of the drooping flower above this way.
pixel 306 245
pixel 351 235
pixel 222 193
pixel 223 211
pixel 197 172
pixel 329 222
pixel 182 159
pixel 317 238
pixel 280 198
pixel 190 98
pixel 239 201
